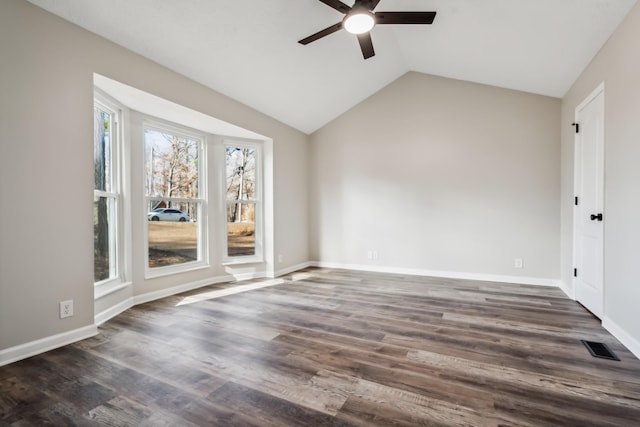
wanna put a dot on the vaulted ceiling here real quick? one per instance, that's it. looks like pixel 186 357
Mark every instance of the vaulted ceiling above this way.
pixel 248 49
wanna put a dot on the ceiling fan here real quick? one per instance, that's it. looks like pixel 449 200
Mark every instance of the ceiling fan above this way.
pixel 360 19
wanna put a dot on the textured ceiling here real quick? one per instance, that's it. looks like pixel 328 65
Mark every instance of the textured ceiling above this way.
pixel 248 49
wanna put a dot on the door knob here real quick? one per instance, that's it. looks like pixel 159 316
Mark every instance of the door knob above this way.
pixel 595 217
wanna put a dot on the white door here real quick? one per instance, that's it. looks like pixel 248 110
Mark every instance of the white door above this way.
pixel 588 214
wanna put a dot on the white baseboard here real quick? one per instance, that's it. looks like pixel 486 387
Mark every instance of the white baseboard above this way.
pixel 445 274
pixel 248 276
pixel 293 268
pixel 112 312
pixel 22 351
pixel 622 335
pixel 163 293
pixel 567 290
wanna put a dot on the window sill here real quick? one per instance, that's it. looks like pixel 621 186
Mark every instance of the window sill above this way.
pixel 243 260
pixel 102 289
pixel 174 269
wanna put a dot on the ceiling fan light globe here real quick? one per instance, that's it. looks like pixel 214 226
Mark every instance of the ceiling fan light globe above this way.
pixel 359 23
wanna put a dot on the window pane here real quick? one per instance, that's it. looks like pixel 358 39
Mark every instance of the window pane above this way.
pixel 102 149
pixel 171 165
pixel 241 239
pixel 241 173
pixel 173 233
pixel 104 248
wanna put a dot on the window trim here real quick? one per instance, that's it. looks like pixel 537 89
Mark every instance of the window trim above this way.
pixel 106 104
pixel 157 124
pixel 258 256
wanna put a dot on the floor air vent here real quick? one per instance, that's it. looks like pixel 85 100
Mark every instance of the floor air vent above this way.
pixel 598 349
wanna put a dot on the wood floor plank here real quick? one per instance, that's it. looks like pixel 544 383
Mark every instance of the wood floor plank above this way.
pixel 268 410
pixel 329 347
pixel 494 376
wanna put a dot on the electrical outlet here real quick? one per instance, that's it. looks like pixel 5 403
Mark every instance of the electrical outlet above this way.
pixel 280 258
pixel 518 263
pixel 66 308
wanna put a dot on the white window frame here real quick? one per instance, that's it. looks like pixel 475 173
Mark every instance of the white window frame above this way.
pixel 155 124
pixel 258 256
pixel 117 246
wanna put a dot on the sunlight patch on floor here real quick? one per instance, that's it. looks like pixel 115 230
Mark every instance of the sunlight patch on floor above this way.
pixel 301 276
pixel 229 291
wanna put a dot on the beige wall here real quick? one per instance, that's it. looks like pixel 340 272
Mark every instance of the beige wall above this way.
pixel 618 66
pixel 440 175
pixel 46 173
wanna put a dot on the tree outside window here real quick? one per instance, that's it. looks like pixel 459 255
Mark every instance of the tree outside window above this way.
pixel 105 196
pixel 241 200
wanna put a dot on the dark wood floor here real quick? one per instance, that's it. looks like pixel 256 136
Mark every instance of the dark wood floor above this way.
pixel 332 347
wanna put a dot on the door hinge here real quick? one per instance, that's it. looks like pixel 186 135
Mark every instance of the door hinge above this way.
pixel 577 126
pixel 575 272
pixel 576 200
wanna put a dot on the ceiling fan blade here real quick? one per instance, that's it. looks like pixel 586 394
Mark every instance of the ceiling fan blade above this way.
pixel 337 5
pixel 374 3
pixel 405 17
pixel 367 4
pixel 329 30
pixel 366 45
